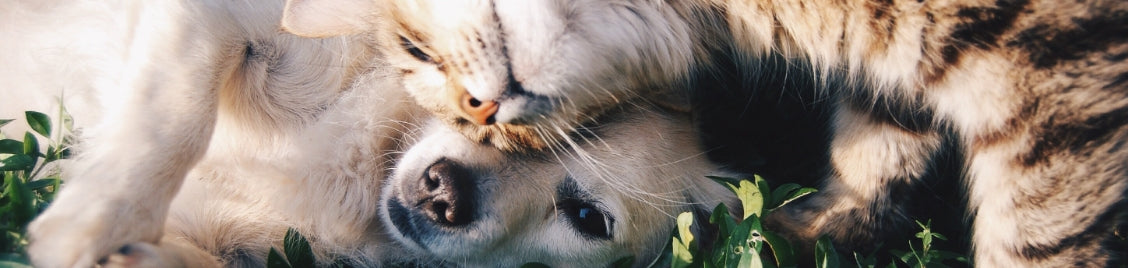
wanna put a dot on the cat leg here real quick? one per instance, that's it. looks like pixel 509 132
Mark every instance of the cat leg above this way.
pixel 1041 201
pixel 874 165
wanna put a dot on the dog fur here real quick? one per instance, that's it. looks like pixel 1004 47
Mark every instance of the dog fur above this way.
pixel 205 132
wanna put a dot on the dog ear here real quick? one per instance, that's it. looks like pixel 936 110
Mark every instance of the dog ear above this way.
pixel 327 18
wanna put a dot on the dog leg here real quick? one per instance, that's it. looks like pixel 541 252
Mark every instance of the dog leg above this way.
pixel 169 253
pixel 127 173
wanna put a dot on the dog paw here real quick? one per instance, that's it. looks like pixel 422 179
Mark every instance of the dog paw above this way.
pixel 136 255
pixel 77 232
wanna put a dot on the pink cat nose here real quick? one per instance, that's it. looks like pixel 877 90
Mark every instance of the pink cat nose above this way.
pixel 479 112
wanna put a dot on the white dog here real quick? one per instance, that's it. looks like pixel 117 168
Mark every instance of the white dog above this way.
pixel 207 90
pixel 457 201
pixel 206 132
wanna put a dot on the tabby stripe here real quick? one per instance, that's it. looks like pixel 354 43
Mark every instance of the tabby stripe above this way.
pixel 1075 135
pixel 1091 236
pixel 1048 45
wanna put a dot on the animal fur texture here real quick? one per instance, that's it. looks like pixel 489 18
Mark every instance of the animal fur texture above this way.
pixel 1032 92
pixel 204 132
pixel 453 201
pixel 263 129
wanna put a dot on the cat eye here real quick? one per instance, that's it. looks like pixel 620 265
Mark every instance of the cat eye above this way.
pixel 414 50
pixel 587 218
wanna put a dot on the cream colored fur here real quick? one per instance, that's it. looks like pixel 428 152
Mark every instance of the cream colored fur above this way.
pixel 641 170
pixel 261 127
pixel 205 132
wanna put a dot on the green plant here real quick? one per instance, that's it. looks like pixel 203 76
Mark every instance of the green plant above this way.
pixel 746 243
pixel 927 256
pixel 30 181
pixel 743 243
pixel 296 252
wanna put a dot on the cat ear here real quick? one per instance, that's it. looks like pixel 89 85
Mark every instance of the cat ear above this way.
pixel 326 18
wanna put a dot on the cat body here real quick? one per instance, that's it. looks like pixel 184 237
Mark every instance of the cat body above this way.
pixel 1031 92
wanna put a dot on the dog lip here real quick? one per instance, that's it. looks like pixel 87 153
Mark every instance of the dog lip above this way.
pixel 405 222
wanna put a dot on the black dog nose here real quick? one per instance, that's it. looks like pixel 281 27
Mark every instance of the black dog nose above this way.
pixel 446 193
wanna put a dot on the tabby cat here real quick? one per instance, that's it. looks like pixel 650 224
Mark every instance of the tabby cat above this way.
pixel 1034 94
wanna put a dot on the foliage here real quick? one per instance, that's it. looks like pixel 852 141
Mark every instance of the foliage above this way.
pixel 30 179
pixel 297 252
pixel 746 243
pixel 743 243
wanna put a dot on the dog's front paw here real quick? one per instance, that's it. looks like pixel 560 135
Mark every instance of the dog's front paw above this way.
pixel 137 255
pixel 78 231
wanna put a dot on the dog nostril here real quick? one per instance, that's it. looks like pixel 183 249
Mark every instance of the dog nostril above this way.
pixel 475 102
pixel 431 179
pixel 448 194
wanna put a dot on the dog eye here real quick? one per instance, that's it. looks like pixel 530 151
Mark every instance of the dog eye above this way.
pixel 414 50
pixel 587 218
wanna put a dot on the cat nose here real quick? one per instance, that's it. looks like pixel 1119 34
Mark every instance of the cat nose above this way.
pixel 480 112
pixel 446 193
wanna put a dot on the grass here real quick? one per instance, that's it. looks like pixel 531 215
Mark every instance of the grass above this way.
pixel 742 242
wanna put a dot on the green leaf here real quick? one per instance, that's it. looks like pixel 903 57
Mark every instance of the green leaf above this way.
pixel 725 180
pixel 796 195
pixel 683 245
pixel 905 257
pixel 42 183
pixel 825 254
pixel 31 145
pixel 21 201
pixel 781 249
pixel 750 198
pixel 275 260
pixel 682 257
pixel 722 219
pixel 4 122
pixel 780 193
pixel 47 188
pixel 39 122
pixel 747 242
pixel 297 249
pixel 685 221
pixel 764 189
pixel 17 162
pixel 10 146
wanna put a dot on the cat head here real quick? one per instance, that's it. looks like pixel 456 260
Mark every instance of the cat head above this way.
pixel 520 74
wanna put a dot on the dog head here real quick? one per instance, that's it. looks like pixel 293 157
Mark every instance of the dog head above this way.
pixel 614 194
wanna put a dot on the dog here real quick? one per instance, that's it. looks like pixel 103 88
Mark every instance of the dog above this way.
pixel 452 200
pixel 207 90
pixel 204 133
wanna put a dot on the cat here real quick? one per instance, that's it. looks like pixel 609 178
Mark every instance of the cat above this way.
pixel 1032 93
